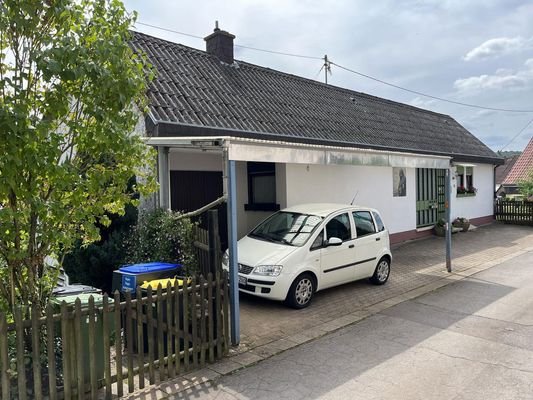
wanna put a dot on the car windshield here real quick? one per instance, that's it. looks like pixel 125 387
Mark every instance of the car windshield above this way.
pixel 287 227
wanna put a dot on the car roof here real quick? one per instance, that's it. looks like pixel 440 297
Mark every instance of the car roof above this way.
pixel 324 209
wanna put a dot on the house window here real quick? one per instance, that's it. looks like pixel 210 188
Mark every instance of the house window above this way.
pixel 465 181
pixel 261 187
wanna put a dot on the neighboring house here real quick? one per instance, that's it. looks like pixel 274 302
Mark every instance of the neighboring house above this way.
pixel 502 171
pixel 521 169
pixel 296 140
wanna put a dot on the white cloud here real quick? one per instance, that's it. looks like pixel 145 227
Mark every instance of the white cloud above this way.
pixel 503 79
pixel 499 46
pixel 422 102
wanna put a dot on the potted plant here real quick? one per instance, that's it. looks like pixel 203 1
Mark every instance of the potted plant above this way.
pixel 440 227
pixel 461 222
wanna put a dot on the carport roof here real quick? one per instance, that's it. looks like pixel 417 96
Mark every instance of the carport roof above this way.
pixel 195 94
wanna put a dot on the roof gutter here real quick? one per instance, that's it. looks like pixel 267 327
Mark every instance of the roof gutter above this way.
pixel 176 129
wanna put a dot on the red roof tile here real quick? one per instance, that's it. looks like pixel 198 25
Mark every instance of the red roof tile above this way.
pixel 522 167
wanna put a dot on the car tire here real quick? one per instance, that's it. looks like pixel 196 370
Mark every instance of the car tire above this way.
pixel 301 291
pixel 382 272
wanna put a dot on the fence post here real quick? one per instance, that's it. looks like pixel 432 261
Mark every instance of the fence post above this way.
pixel 36 352
pixel 118 342
pixel 107 345
pixel 4 359
pixel 21 368
pixel 214 242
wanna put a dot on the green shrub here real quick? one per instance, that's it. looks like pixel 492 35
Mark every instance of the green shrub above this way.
pixel 165 236
pixel 94 264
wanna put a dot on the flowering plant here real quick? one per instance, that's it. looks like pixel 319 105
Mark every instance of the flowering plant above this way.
pixel 460 221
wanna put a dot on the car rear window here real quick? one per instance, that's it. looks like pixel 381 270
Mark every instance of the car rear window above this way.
pixel 379 222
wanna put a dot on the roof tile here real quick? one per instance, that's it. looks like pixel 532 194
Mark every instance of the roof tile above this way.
pixel 194 87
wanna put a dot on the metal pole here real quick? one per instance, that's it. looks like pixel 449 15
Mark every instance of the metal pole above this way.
pixel 448 223
pixel 233 259
pixel 164 177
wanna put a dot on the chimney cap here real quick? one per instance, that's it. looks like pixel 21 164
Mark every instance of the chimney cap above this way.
pixel 217 31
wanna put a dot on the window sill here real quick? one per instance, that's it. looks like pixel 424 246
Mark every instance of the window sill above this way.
pixel 262 207
pixel 466 194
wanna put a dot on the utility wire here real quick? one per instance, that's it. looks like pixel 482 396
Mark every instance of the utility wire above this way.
pixel 236 45
pixel 428 95
pixel 518 134
pixel 168 30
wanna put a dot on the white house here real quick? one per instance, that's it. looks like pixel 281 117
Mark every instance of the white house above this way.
pixel 295 140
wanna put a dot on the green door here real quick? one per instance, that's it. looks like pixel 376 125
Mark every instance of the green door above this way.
pixel 430 195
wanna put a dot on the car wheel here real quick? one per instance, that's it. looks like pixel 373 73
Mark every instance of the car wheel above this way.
pixel 301 291
pixel 382 272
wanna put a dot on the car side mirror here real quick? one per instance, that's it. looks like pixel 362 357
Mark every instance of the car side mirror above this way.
pixel 334 241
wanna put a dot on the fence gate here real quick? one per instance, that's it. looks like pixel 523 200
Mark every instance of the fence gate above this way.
pixel 430 195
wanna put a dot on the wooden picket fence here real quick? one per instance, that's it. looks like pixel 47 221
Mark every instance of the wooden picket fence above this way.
pixel 116 347
pixel 514 212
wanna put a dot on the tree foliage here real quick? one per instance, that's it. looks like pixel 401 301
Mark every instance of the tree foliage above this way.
pixel 70 88
pixel 526 186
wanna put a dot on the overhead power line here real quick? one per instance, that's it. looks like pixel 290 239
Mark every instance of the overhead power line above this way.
pixel 236 45
pixel 429 95
pixel 518 134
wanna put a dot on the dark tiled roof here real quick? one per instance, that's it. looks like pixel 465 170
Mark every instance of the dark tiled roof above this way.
pixel 194 88
pixel 522 167
pixel 503 170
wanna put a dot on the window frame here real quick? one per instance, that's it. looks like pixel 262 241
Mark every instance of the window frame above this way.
pixel 464 175
pixel 254 169
pixel 350 227
pixel 371 219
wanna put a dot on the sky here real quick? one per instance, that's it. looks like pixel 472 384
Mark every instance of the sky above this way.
pixel 470 51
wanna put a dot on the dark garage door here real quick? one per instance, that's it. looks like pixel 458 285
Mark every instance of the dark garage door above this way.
pixel 190 190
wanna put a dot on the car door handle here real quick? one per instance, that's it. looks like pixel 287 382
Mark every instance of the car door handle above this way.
pixel 378 239
pixel 351 246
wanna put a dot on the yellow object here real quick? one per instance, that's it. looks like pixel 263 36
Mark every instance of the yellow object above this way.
pixel 154 284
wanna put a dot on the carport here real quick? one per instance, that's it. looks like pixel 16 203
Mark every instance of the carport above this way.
pixel 231 150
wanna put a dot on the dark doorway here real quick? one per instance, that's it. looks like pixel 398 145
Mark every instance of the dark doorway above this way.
pixel 191 190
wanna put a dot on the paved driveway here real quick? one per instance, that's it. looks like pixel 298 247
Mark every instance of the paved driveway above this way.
pixel 415 265
pixel 467 340
pixel 269 328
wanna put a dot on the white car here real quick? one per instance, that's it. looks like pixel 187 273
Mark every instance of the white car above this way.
pixel 302 249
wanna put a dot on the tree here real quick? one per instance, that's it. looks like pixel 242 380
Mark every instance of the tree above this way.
pixel 70 93
pixel 525 185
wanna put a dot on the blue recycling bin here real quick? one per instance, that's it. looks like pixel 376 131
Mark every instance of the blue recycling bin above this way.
pixel 128 277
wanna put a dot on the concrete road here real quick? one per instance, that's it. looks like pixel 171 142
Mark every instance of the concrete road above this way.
pixel 469 340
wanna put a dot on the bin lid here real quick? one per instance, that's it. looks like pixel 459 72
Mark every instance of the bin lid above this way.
pixel 74 289
pixel 154 284
pixel 148 267
pixel 84 299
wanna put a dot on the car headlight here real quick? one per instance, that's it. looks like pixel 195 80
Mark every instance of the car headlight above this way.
pixel 225 259
pixel 268 270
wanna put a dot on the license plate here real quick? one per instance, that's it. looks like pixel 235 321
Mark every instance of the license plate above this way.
pixel 242 280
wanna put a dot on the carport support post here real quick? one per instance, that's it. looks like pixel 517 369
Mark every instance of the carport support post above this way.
pixel 164 177
pixel 448 223
pixel 233 259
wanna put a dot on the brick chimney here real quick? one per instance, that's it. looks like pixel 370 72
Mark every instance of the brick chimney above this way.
pixel 220 44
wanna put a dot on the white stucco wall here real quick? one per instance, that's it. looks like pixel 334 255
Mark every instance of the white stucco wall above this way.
pixel 302 183
pixel 480 205
pixel 340 183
